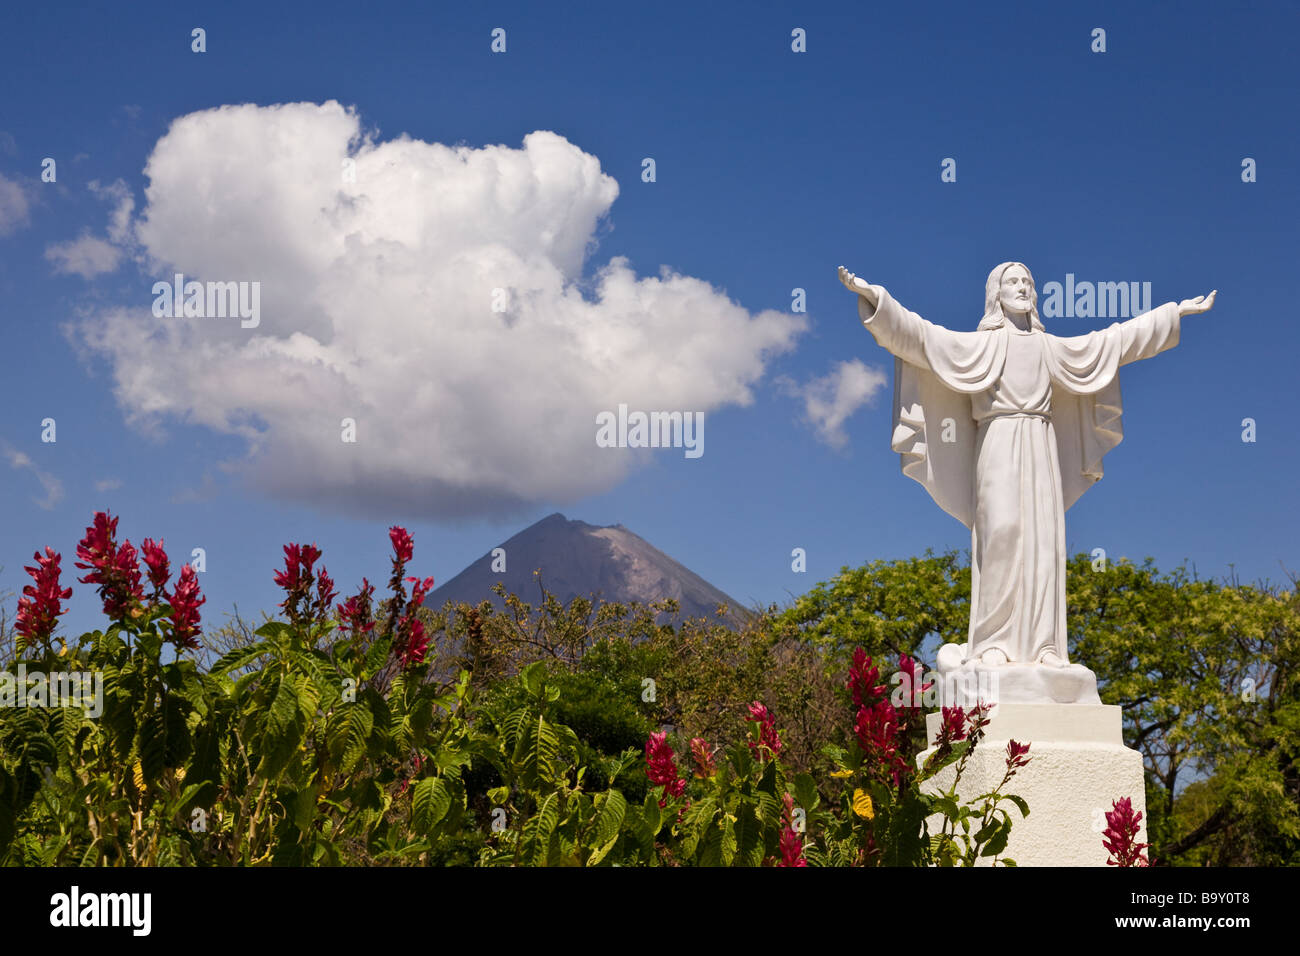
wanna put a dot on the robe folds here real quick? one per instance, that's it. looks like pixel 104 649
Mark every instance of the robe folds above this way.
pixel 1006 430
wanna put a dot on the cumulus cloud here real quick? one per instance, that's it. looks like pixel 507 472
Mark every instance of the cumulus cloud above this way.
pixel 377 304
pixel 89 256
pixel 14 206
pixel 86 256
pixel 51 486
pixel 830 400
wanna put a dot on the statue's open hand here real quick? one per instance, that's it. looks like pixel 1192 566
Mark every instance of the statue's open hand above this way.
pixel 855 284
pixel 1202 303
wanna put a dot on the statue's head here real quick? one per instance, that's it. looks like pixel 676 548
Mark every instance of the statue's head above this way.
pixel 1010 288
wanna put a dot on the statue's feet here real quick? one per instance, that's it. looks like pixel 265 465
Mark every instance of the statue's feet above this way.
pixel 993 658
pixel 1052 659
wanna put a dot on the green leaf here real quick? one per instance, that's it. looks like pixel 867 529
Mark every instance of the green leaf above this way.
pixel 749 839
pixel 613 808
pixel 805 791
pixel 347 733
pixel 999 841
pixel 153 745
pixel 548 815
pixel 376 656
pixel 239 657
pixel 429 804
pixel 284 707
pixel 534 676
pixel 727 849
pixel 275 630
pixel 1019 802
pixel 651 813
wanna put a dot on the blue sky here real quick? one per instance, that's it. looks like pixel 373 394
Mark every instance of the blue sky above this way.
pixel 772 168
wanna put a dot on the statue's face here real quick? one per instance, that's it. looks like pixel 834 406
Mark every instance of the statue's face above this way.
pixel 1017 292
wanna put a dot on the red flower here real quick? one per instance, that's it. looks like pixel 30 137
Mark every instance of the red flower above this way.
pixel 297 578
pixel 325 595
pixel 185 601
pixel 1016 755
pixel 701 753
pixel 765 724
pixel 97 547
pixel 288 578
pixel 416 644
pixel 403 544
pixel 1120 835
pixel 862 679
pixel 978 718
pixel 127 567
pixel 913 689
pixel 877 730
pixel 661 769
pixel 325 592
pixel 791 841
pixel 355 613
pixel 953 728
pixel 298 561
pixel 114 569
pixel 411 642
pixel 422 588
pixel 155 558
pixel 38 608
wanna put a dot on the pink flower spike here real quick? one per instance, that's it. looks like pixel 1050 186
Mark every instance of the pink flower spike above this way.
pixel 862 679
pixel 1017 755
pixel 185 601
pixel 403 544
pixel 1120 836
pixel 155 559
pixel 661 769
pixel 768 739
pixel 791 841
pixel 39 607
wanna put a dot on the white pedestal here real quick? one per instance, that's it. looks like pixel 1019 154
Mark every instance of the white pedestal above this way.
pixel 1078 767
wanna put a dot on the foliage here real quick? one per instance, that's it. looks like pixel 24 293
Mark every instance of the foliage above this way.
pixel 381 732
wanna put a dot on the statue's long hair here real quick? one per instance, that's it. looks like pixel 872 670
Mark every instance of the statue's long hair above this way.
pixel 993 315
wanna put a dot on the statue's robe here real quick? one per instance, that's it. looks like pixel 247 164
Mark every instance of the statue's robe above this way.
pixel 1006 430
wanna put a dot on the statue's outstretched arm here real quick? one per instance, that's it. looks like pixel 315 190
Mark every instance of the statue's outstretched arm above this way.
pixel 860 286
pixel 1202 303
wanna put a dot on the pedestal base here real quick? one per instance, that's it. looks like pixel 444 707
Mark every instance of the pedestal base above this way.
pixel 1078 767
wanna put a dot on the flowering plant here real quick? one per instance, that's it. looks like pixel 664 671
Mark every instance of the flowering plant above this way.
pixel 889 804
pixel 1120 837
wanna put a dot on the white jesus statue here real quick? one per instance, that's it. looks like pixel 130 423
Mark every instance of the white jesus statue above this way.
pixel 1006 428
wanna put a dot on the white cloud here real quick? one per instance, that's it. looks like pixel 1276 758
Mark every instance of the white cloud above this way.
pixel 89 256
pixel 14 206
pixel 52 487
pixel 119 220
pixel 831 399
pixel 108 484
pixel 376 305
pixel 86 256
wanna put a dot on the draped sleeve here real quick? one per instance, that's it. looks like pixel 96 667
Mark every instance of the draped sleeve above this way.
pixel 1087 408
pixel 967 362
pixel 936 370
pixel 1086 364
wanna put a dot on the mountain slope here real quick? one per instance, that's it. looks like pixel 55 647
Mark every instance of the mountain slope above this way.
pixel 580 559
